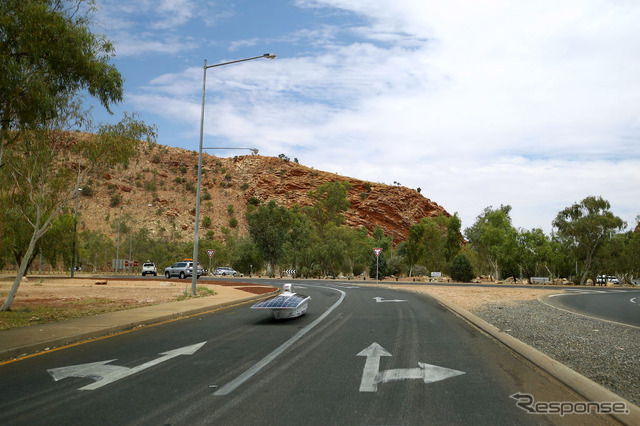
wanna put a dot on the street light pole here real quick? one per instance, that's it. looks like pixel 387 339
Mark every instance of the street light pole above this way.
pixel 75 234
pixel 194 275
pixel 118 245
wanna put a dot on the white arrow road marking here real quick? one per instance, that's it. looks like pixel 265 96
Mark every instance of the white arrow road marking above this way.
pixel 371 375
pixel 634 300
pixel 104 374
pixel 383 300
pixel 371 367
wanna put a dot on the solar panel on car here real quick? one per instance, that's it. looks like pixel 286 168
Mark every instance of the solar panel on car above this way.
pixel 282 302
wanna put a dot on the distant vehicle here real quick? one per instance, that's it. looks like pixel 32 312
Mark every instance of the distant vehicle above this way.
pixel 181 270
pixel 603 279
pixel 224 270
pixel 149 268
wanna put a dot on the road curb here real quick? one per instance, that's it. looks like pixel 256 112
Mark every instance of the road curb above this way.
pixel 580 384
pixel 119 326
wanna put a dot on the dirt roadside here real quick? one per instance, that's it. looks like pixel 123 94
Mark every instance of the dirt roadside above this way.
pixel 47 299
pixel 471 297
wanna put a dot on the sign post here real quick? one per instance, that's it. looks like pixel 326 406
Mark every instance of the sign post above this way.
pixel 210 253
pixel 377 251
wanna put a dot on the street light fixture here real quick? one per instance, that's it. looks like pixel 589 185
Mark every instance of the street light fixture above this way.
pixel 194 275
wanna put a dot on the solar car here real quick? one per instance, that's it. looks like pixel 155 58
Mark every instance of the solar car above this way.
pixel 287 304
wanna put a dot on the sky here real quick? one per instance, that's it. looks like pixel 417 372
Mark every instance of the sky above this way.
pixel 532 104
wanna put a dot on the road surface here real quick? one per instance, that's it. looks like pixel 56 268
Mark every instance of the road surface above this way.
pixel 617 305
pixel 361 355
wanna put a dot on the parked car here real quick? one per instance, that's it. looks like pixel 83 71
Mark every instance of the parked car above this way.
pixel 149 268
pixel 224 270
pixel 182 270
pixel 603 279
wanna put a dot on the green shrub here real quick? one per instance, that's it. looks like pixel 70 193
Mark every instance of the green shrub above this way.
pixel 461 269
pixel 115 200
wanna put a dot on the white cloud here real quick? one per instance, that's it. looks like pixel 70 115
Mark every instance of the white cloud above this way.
pixel 532 104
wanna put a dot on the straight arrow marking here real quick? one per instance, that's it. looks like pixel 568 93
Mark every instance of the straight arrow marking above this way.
pixel 104 374
pixel 373 353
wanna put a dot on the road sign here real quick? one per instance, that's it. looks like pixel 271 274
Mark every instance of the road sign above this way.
pixel 136 263
pixel 104 374
pixel 372 376
pixel 210 253
pixel 377 251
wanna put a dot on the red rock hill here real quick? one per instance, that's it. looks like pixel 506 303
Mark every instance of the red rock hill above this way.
pixel 157 192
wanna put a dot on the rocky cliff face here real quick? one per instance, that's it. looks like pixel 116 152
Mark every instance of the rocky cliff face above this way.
pixel 157 192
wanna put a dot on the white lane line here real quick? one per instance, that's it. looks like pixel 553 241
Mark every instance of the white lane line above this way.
pixel 232 385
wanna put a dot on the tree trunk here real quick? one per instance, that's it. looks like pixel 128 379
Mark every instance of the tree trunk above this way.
pixel 6 306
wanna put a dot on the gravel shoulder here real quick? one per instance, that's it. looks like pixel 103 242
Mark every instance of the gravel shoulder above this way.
pixel 605 352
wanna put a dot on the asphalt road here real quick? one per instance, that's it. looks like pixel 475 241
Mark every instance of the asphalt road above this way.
pixel 360 355
pixel 617 305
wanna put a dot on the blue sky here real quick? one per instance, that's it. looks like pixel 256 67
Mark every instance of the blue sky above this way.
pixel 531 104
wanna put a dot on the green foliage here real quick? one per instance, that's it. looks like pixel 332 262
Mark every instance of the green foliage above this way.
pixel 115 201
pixel 48 52
pixel 620 255
pixel 414 249
pixel 95 250
pixel 494 238
pixel 583 227
pixel 269 227
pixel 330 200
pixel 206 222
pixel 461 269
pixel 47 57
pixel 233 222
pixel 247 257
pixel 379 266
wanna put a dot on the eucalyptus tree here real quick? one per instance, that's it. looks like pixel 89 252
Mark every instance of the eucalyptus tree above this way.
pixel 620 256
pixel 533 252
pixel 413 249
pixel 583 227
pixel 300 241
pixel 95 250
pixel 48 54
pixel 42 182
pixel 329 201
pixel 491 236
pixel 269 227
